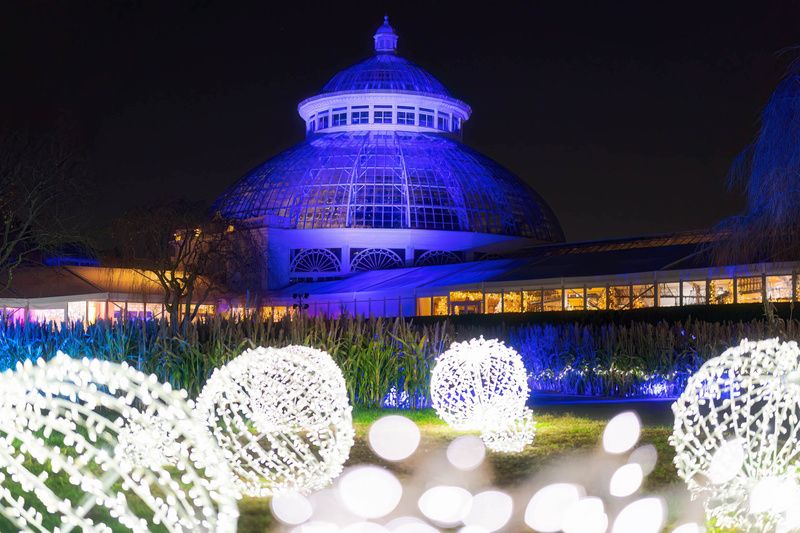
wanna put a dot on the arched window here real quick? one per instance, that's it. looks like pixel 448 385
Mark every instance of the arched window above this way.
pixel 315 260
pixel 375 259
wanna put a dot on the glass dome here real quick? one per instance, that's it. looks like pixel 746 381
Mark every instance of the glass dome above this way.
pixel 389 179
pixel 386 73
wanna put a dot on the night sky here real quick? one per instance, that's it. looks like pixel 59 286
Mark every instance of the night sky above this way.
pixel 624 116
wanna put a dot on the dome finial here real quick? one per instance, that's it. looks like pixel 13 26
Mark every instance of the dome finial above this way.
pixel 385 38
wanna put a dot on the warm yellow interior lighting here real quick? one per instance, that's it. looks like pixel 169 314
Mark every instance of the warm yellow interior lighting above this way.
pixel 721 292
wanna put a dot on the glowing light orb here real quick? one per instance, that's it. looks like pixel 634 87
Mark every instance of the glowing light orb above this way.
pixel 646 457
pixel 291 508
pixel 510 435
pixel 60 430
pixel 466 452
pixel 445 505
pixel 394 437
pixel 626 480
pixel 478 382
pixel 491 510
pixel 548 508
pixel 622 433
pixel 642 516
pixel 736 426
pixel 370 491
pixel 587 515
pixel 281 417
pixel 482 384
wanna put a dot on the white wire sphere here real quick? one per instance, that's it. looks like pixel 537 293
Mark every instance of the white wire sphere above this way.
pixel 736 426
pixel 60 427
pixel 282 417
pixel 510 435
pixel 478 382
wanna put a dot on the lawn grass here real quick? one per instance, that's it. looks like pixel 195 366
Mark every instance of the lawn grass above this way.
pixel 557 437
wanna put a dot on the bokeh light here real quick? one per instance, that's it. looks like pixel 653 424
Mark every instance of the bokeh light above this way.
pixel 547 508
pixel 626 480
pixel 622 433
pixel 466 452
pixel 646 456
pixel 491 510
pixel 642 516
pixel 291 508
pixel 369 491
pixel 587 515
pixel 394 437
pixel 445 505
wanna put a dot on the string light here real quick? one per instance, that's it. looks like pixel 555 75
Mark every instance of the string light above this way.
pixel 64 418
pixel 281 417
pixel 482 384
pixel 737 433
pixel 510 435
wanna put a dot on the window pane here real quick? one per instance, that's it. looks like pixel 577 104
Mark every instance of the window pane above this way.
pixel 748 290
pixel 619 297
pixel 440 306
pixel 532 301
pixel 721 292
pixel 669 294
pixel 424 306
pixel 512 302
pixel 493 302
pixel 779 288
pixel 574 299
pixel 644 296
pixel 552 300
pixel 466 302
pixel 694 292
pixel 596 298
pixel 76 311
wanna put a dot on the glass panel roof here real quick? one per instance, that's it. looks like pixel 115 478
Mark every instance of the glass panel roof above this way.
pixel 372 179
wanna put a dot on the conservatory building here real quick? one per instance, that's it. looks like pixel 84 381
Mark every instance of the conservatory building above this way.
pixel 383 181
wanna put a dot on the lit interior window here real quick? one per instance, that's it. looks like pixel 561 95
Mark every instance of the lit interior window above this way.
pixel 619 297
pixel 643 296
pixel 424 306
pixel 466 302
pixel 596 298
pixel 512 302
pixel 669 294
pixel 779 288
pixel 749 290
pixel 721 292
pixel 532 301
pixel 552 300
pixel 493 302
pixel 694 292
pixel 574 299
pixel 440 306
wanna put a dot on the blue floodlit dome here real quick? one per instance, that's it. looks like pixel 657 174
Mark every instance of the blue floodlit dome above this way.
pixel 383 152
pixel 389 179
pixel 385 72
